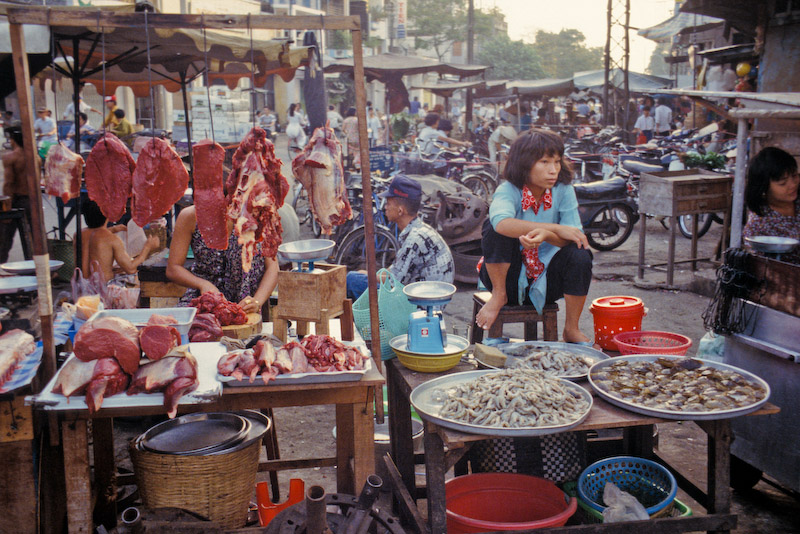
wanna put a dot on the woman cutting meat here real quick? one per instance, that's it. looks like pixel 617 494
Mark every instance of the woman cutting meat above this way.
pixel 218 270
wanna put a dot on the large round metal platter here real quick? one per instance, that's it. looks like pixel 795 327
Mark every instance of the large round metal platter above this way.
pixel 426 400
pixel 306 249
pixel 28 267
pixel 771 244
pixel 675 414
pixel 429 293
pixel 14 284
pixel 455 344
pixel 259 425
pixel 197 433
pixel 516 354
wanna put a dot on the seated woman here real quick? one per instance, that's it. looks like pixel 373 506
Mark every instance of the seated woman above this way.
pixel 534 248
pixel 218 270
pixel 771 195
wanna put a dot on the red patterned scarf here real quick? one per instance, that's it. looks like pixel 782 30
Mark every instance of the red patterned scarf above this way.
pixel 533 266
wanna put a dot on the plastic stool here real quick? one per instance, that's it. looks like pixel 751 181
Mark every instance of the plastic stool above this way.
pixel 516 314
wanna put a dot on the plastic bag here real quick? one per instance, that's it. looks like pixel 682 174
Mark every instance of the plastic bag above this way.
pixel 712 347
pixel 621 506
pixel 393 312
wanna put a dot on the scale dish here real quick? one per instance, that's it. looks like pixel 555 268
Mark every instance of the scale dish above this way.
pixel 306 249
pixel 421 292
pixel 455 345
pixel 28 267
pixel 516 351
pixel 425 400
pixel 14 284
pixel 674 414
pixel 771 244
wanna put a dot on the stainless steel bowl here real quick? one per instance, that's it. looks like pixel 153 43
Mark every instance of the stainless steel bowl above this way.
pixel 771 244
pixel 306 249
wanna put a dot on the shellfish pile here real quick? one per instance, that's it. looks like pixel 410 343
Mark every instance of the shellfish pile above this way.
pixel 553 362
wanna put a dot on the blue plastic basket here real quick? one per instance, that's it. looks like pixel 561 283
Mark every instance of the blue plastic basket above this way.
pixel 651 483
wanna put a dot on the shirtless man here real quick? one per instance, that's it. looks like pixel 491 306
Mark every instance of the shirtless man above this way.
pixel 15 185
pixel 104 246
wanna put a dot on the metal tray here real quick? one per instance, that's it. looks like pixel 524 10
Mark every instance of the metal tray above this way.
pixel 422 399
pixel 139 316
pixel 259 425
pixel 509 349
pixel 672 414
pixel 306 249
pixel 28 267
pixel 15 284
pixel 771 244
pixel 197 433
pixel 301 378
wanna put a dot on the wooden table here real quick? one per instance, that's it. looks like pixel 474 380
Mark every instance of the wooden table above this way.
pixel 444 447
pixel 354 457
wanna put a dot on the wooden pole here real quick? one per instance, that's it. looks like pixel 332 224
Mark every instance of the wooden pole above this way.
pixel 40 256
pixel 369 224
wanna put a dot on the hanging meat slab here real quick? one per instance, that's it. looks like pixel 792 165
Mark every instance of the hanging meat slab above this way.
pixel 109 337
pixel 98 378
pixel 109 175
pixel 175 375
pixel 209 194
pixel 62 172
pixel 255 190
pixel 319 169
pixel 159 181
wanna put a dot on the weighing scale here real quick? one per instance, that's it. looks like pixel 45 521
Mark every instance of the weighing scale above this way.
pixel 426 330
pixel 772 246
pixel 306 252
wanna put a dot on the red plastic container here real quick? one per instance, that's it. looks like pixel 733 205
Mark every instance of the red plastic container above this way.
pixel 651 342
pixel 505 501
pixel 613 315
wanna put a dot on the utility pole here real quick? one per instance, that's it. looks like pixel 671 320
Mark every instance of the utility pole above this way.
pixel 470 40
pixel 616 89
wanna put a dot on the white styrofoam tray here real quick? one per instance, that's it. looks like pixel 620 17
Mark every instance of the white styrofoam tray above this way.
pixel 139 316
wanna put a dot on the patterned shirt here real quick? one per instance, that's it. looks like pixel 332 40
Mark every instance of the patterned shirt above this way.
pixel 774 224
pixel 423 255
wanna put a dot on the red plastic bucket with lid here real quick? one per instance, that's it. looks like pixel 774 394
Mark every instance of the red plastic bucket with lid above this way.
pixel 485 502
pixel 613 315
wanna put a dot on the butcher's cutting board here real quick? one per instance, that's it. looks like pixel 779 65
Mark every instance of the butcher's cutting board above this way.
pixel 243 331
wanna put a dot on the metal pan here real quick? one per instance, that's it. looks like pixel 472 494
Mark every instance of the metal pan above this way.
pixel 771 244
pixel 516 353
pixel 426 401
pixel 306 249
pixel 28 267
pixel 674 414
pixel 197 433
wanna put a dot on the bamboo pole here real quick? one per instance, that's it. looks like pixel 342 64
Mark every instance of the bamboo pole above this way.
pixel 40 256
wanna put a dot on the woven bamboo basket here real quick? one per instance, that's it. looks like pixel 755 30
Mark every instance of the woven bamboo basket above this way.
pixel 218 486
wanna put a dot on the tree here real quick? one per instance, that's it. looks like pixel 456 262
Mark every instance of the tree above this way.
pixel 565 53
pixel 657 65
pixel 437 24
pixel 514 60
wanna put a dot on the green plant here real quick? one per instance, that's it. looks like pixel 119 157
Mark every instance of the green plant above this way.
pixel 400 124
pixel 710 161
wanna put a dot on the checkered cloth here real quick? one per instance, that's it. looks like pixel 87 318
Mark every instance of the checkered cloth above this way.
pixel 25 371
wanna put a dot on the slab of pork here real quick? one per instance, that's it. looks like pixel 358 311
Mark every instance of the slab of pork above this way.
pixel 175 375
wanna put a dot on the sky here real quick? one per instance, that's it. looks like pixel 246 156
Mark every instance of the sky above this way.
pixel 525 17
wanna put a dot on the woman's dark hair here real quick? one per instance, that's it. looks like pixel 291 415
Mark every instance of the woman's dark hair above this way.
pixel 431 118
pixel 292 107
pixel 445 125
pixel 92 215
pixel 769 165
pixel 531 146
pixel 351 112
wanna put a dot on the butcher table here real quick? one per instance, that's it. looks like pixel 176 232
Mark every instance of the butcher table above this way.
pixel 354 457
pixel 445 447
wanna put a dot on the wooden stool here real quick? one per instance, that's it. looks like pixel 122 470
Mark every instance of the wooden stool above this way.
pixel 516 314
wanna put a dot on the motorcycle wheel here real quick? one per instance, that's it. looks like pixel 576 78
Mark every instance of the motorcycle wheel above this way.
pixel 352 250
pixel 477 184
pixel 624 217
pixel 704 221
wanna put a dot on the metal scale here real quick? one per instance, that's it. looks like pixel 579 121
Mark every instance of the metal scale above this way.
pixel 772 246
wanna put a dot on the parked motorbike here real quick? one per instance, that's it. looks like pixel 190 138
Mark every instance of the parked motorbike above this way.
pixel 608 212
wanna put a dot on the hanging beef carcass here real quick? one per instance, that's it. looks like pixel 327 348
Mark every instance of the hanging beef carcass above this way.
pixel 319 169
pixel 159 181
pixel 99 378
pixel 62 172
pixel 175 374
pixel 109 337
pixel 109 175
pixel 209 194
pixel 255 190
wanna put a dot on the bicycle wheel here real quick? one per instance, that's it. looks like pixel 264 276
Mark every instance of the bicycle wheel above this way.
pixel 352 250
pixel 685 224
pixel 620 218
pixel 477 184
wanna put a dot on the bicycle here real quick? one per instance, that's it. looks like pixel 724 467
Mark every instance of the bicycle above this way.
pixel 465 167
pixel 302 207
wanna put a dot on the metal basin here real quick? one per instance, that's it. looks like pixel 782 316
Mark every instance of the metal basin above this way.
pixel 306 249
pixel 771 244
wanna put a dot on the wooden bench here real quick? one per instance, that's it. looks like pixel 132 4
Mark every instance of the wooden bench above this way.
pixel 516 314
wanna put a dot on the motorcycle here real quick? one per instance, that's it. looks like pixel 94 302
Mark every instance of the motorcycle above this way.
pixel 608 212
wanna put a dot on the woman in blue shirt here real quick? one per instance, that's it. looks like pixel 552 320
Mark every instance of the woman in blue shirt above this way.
pixel 534 247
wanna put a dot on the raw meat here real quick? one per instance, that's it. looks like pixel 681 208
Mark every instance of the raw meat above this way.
pixel 175 375
pixel 159 181
pixel 265 355
pixel 109 337
pixel 157 340
pixel 255 190
pixel 205 327
pixel 98 378
pixel 226 312
pixel 162 319
pixel 283 361
pixel 328 354
pixel 63 169
pixel 209 193
pixel 319 169
pixel 109 175
pixel 14 346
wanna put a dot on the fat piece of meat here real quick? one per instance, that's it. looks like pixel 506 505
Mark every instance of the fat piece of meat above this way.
pixel 162 319
pixel 205 327
pixel 109 337
pixel 109 175
pixel 255 190
pixel 209 194
pixel 62 172
pixel 14 346
pixel 175 375
pixel 319 169
pixel 98 378
pixel 159 181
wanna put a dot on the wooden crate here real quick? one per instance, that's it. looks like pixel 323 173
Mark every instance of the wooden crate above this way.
pixel 675 193
pixel 313 296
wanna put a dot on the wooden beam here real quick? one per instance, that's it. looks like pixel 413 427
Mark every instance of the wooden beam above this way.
pixel 40 256
pixel 93 18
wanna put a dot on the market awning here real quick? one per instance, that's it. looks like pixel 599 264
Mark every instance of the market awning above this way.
pixel 637 82
pixel 494 89
pixel 381 66
pixel 447 89
pixel 666 30
pixel 544 87
pixel 741 14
